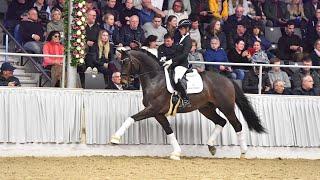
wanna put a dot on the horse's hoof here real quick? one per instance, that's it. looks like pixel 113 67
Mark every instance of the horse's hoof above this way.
pixel 212 150
pixel 115 140
pixel 243 149
pixel 175 156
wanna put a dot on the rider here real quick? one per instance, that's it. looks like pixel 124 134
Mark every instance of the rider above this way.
pixel 180 60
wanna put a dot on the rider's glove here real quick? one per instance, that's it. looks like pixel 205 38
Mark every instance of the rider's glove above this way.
pixel 163 59
pixel 167 63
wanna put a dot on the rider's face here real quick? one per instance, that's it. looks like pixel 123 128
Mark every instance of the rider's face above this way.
pixel 183 30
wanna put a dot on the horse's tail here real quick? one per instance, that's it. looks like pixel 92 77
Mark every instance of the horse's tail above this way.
pixel 246 108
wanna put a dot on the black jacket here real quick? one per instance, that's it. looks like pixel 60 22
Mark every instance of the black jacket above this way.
pixel 298 75
pixel 27 28
pixel 251 82
pixel 286 91
pixel 311 92
pixel 164 51
pixel 128 35
pixel 93 60
pixel 284 43
pixel 4 81
pixel 92 34
pixel 182 52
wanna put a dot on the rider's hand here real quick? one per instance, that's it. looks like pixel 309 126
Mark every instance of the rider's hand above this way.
pixel 163 59
pixel 167 63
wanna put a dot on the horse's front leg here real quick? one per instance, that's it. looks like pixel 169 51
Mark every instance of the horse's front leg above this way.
pixel 146 113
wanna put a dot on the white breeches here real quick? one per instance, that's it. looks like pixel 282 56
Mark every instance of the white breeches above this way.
pixel 179 71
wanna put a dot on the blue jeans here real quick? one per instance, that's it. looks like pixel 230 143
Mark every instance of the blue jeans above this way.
pixel 239 74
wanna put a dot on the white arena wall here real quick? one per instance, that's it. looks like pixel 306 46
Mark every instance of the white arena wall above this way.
pixel 52 115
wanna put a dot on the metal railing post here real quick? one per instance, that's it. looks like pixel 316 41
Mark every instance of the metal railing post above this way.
pixel 7 48
pixel 260 79
pixel 63 72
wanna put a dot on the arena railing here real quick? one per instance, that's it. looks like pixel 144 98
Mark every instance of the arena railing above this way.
pixel 43 55
pixel 254 65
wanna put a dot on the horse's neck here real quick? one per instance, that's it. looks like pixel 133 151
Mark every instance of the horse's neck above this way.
pixel 148 81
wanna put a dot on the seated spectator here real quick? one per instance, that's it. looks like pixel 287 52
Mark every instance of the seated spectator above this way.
pixel 312 23
pixel 257 54
pixel 216 54
pixel 172 25
pixel 32 33
pixel 310 8
pixel 56 23
pixel 234 19
pixel 127 11
pixel 241 32
pixel 219 9
pixel 255 12
pixel 239 55
pixel 44 12
pixel 195 55
pixel 154 28
pixel 250 83
pixel 290 45
pixel 215 30
pixel 115 82
pixel 315 55
pixel 111 28
pixel 194 30
pixel 132 35
pixel 307 88
pixel 148 11
pixel 279 88
pixel 92 5
pixel 277 12
pixel 92 31
pixel 59 4
pixel 234 3
pixel 111 8
pixel 257 35
pixel 277 74
pixel 296 12
pixel 54 47
pixel 312 36
pixel 178 11
pixel 186 4
pixel 201 9
pixel 6 75
pixel 166 50
pixel 151 45
pixel 298 75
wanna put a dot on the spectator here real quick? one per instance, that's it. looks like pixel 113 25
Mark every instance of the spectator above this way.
pixel 56 23
pixel 127 11
pixel 186 5
pixel 201 9
pixel 277 12
pixel 215 30
pixel 312 36
pixel 277 74
pixel 166 50
pixel 233 20
pixel 178 11
pixel 43 12
pixel 315 55
pixel 296 12
pixel 290 45
pixel 60 5
pixel 111 28
pixel 171 25
pixel 32 33
pixel 257 54
pixel 279 88
pixel 194 31
pixel 115 82
pixel 234 3
pixel 216 54
pixel 219 9
pixel 257 35
pixel 241 32
pixel 92 31
pixel 310 8
pixel 255 11
pixel 148 11
pixel 195 55
pixel 54 47
pixel 298 75
pixel 90 5
pixel 239 55
pixel 307 87
pixel 250 83
pixel 151 45
pixel 132 35
pixel 111 8
pixel 155 28
pixel 312 23
pixel 6 76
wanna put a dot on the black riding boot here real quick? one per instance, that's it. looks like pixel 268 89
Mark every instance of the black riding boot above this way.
pixel 183 93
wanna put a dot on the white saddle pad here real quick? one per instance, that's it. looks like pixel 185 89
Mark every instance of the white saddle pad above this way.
pixel 194 83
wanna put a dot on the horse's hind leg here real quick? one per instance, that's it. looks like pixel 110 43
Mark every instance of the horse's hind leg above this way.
pixel 210 113
pixel 175 155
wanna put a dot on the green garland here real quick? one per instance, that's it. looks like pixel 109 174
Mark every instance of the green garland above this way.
pixel 78 38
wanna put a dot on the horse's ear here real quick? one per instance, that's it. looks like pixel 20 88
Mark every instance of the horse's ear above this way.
pixel 123 51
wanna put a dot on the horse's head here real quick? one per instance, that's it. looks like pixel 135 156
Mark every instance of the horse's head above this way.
pixel 130 65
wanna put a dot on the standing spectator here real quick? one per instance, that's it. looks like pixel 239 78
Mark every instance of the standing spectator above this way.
pixel 310 8
pixel 32 33
pixel 296 12
pixel 195 55
pixel 172 24
pixel 279 89
pixel 54 47
pixel 155 28
pixel 250 83
pixel 127 11
pixel 290 45
pixel 258 36
pixel 239 55
pixel 148 11
pixel 234 3
pixel 178 11
pixel 6 75
pixel 257 54
pixel 315 55
pixel 194 31
pixel 277 12
pixel 166 50
pixel 151 45
pixel 186 5
pixel 92 31
pixel 132 35
pixel 111 28
pixel 219 9
pixel 43 12
pixel 215 30
pixel 298 75
pixel 277 74
pixel 115 82
pixel 56 23
pixel 307 87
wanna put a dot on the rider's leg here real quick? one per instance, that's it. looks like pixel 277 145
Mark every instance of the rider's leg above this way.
pixel 179 73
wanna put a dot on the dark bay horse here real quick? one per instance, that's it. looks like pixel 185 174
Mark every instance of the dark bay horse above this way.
pixel 218 92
